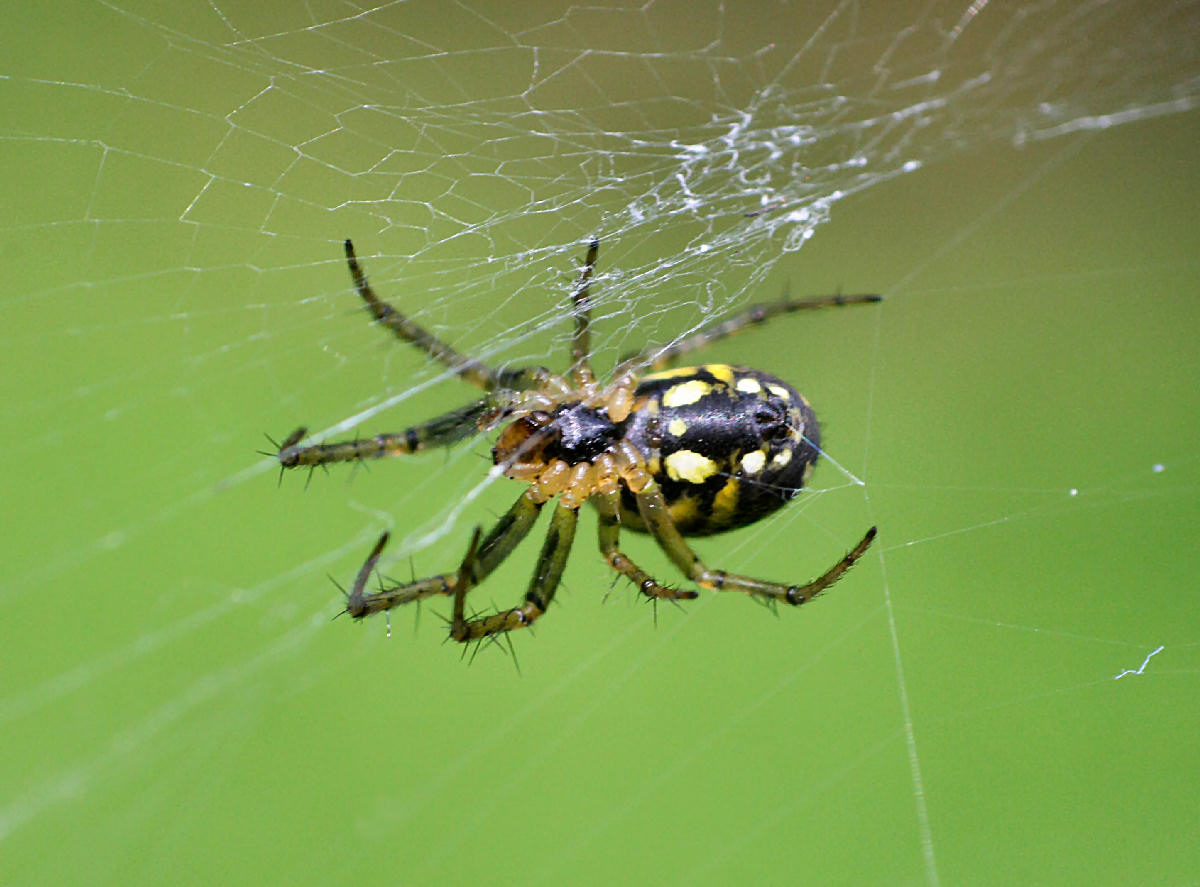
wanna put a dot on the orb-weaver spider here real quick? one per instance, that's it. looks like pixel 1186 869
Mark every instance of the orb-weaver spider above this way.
pixel 687 451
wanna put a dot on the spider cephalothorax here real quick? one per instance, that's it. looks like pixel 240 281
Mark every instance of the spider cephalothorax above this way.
pixel 685 451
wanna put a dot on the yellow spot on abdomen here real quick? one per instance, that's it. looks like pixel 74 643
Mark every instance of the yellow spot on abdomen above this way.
pixel 748 385
pixel 685 393
pixel 677 427
pixel 683 511
pixel 648 404
pixel 690 466
pixel 725 502
pixel 752 463
pixel 722 371
pixel 780 391
pixel 671 374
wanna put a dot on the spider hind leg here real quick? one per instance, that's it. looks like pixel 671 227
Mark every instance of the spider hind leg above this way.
pixel 662 356
pixel 657 517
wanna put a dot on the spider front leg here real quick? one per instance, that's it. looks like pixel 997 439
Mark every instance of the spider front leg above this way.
pixel 474 371
pixel 486 556
pixel 447 429
pixel 581 342
pixel 546 576
pixel 470 369
pixel 654 511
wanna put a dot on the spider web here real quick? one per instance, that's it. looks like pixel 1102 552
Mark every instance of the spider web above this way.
pixel 1018 417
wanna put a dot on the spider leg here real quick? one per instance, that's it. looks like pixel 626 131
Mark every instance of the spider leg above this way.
pixel 653 509
pixel 581 344
pixel 610 530
pixel 446 429
pixel 542 586
pixel 485 556
pixel 657 358
pixel 474 371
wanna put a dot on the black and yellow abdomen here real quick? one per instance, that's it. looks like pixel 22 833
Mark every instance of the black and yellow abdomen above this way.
pixel 727 444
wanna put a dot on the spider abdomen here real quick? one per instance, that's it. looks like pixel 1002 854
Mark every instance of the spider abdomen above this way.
pixel 727 445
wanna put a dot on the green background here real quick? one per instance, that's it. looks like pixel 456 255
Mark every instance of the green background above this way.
pixel 1019 418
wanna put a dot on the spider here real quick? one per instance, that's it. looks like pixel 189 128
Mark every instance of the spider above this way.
pixel 679 452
